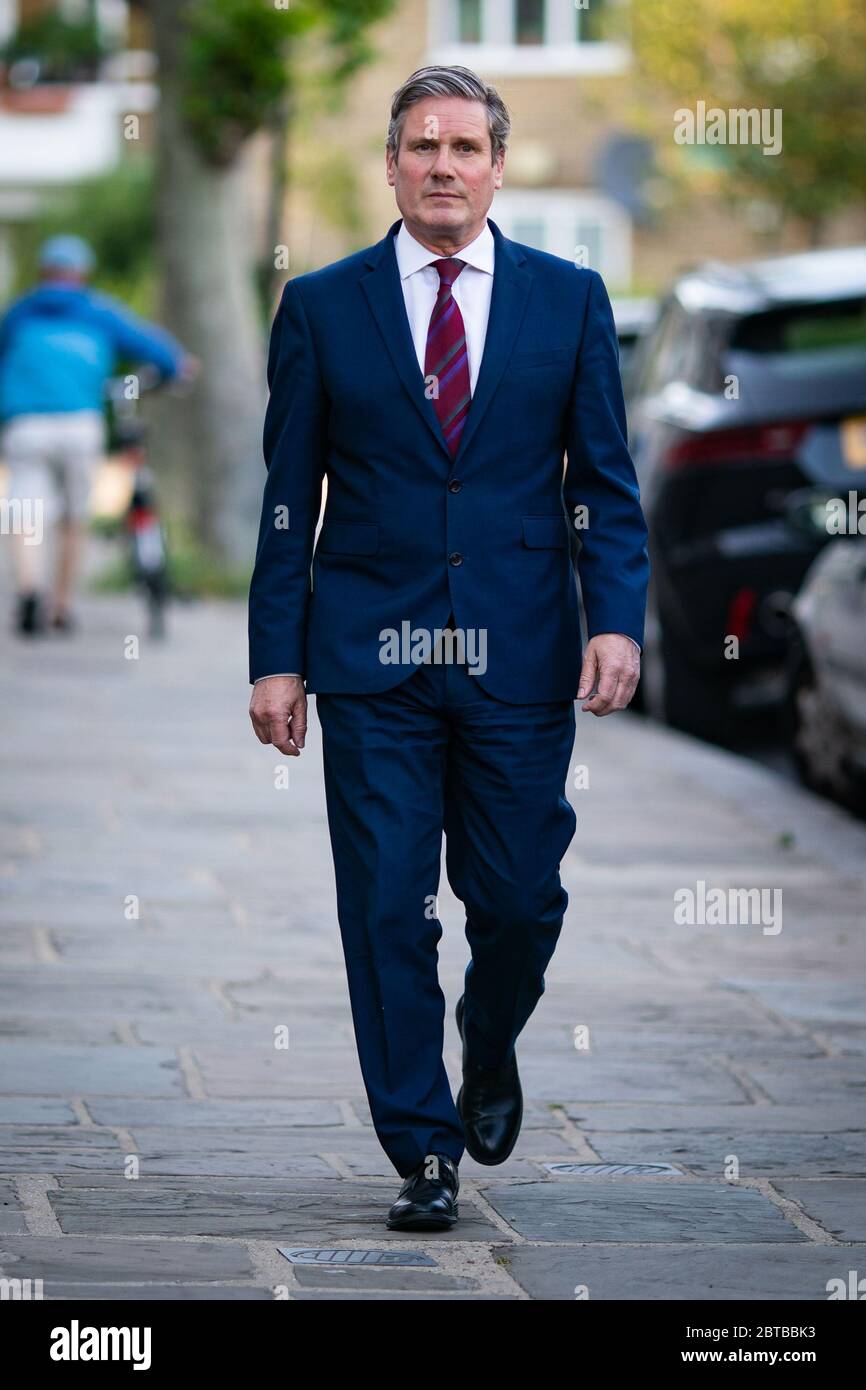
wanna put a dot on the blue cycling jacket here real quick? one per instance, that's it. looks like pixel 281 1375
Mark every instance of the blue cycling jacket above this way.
pixel 60 342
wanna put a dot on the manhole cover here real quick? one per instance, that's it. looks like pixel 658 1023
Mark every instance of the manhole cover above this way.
pixel 355 1257
pixel 609 1170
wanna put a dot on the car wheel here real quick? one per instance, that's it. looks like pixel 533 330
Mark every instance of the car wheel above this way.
pixel 820 742
pixel 695 701
pixel 678 693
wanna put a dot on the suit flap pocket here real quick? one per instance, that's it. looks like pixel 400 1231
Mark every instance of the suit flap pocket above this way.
pixel 545 532
pixel 349 538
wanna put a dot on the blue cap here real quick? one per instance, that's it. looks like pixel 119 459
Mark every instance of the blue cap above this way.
pixel 67 253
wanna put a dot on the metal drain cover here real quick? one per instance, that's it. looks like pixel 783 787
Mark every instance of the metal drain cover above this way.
pixel 355 1257
pixel 615 1170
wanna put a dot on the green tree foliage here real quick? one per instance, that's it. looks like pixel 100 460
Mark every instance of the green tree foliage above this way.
pixel 67 50
pixel 803 58
pixel 235 61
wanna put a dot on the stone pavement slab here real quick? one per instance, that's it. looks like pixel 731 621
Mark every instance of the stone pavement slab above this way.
pixel 573 1076
pixel 389 1295
pixel 53 1070
pixel 758 1153
pixel 810 1001
pixel 291 1115
pixel 108 992
pixel 89 1260
pixel 839 1207
pixel 12 1220
pixel 25 1110
pixel 153 1036
pixel 407 1280
pixel 305 1152
pixel 786 1273
pixel 602 1210
pixel 162 1293
pixel 24 1149
pixel 263 1072
pixel 831 1116
pixel 293 1211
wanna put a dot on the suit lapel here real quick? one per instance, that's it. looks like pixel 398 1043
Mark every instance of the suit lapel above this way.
pixel 385 293
pixel 507 306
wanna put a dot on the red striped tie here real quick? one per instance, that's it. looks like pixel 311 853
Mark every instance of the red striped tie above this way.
pixel 447 359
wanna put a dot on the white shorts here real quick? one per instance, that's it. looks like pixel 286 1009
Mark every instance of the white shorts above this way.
pixel 54 457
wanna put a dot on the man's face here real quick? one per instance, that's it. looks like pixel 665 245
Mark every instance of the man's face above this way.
pixel 444 180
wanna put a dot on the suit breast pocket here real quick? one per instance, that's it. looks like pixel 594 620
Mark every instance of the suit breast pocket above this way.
pixel 545 357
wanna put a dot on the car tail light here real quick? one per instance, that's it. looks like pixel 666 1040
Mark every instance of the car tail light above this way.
pixel 741 611
pixel 758 443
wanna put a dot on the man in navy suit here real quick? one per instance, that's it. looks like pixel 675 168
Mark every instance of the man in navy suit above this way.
pixel 437 380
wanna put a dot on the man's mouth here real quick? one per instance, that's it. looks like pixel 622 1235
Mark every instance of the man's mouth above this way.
pixel 443 195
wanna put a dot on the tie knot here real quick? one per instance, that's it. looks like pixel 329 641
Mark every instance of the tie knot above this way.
pixel 449 270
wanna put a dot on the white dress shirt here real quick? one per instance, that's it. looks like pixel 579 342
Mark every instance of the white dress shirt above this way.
pixel 472 290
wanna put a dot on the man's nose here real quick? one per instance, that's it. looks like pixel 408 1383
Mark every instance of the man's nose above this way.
pixel 442 162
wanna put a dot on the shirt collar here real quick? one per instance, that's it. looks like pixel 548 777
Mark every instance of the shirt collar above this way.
pixel 412 256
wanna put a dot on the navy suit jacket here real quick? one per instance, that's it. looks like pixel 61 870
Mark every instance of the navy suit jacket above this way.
pixel 409 535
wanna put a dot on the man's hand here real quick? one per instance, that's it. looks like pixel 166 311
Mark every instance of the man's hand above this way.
pixel 611 667
pixel 278 709
pixel 189 369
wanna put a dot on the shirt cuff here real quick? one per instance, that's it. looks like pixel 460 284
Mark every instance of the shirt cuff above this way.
pixel 278 673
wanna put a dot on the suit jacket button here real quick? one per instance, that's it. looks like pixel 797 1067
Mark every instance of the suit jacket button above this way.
pixel 455 485
pixel 455 558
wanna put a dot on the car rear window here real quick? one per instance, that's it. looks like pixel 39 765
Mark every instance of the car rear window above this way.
pixel 804 328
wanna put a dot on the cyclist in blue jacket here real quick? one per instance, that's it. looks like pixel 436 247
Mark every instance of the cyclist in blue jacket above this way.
pixel 59 343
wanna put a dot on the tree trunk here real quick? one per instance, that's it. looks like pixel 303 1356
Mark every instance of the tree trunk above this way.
pixel 214 434
pixel 816 226
pixel 272 277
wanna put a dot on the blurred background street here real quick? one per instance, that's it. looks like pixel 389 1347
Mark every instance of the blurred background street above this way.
pixel 168 902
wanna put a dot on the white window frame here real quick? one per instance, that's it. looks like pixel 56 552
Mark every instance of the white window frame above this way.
pixel 112 16
pixel 561 211
pixel 500 54
pixel 8 19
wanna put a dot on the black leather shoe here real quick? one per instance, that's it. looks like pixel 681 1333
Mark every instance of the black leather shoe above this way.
pixel 29 619
pixel 490 1104
pixel 427 1203
pixel 63 622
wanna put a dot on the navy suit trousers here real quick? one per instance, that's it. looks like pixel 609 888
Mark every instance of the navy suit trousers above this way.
pixel 437 753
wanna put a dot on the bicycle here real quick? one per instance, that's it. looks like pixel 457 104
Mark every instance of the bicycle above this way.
pixel 146 537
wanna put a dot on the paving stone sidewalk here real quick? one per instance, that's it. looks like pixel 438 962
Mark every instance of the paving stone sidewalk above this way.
pixel 156 1141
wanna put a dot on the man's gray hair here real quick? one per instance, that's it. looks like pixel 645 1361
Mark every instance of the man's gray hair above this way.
pixel 450 82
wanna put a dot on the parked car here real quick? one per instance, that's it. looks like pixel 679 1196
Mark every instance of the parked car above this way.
pixel 827 673
pixel 751 386
pixel 633 318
